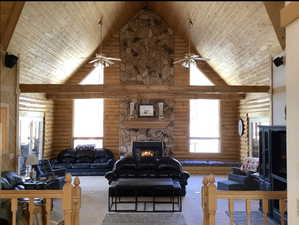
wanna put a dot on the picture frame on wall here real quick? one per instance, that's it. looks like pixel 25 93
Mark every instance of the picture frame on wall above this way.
pixel 146 110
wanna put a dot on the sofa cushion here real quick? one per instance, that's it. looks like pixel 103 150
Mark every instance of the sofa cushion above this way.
pixel 4 184
pixel 12 178
pixel 99 165
pixel 68 160
pixel 62 165
pixel 80 165
pixel 67 153
pixel 84 160
pixel 86 147
pixel 85 154
pixel 100 160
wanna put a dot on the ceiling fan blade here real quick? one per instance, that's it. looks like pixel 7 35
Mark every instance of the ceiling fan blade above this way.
pixel 114 59
pixel 178 61
pixel 92 61
pixel 108 61
pixel 201 58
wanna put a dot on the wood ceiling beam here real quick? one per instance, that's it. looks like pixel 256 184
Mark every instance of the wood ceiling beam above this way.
pixel 224 96
pixel 273 10
pixel 11 23
pixel 289 14
pixel 136 89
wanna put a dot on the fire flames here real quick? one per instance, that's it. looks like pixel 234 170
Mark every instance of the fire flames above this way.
pixel 147 153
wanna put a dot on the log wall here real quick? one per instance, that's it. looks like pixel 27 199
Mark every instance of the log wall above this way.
pixel 229 112
pixel 8 80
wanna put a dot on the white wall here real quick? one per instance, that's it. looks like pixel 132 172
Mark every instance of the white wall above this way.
pixel 292 81
pixel 279 93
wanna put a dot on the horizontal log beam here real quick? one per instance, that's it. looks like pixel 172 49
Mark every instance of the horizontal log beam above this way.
pixel 135 89
pixel 224 96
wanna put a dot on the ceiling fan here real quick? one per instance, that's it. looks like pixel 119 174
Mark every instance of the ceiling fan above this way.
pixel 189 57
pixel 100 58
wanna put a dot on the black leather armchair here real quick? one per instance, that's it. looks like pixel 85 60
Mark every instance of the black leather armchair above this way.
pixel 53 177
pixel 165 167
pixel 242 179
pixel 44 168
pixel 11 181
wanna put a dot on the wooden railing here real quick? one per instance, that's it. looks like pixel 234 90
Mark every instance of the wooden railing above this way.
pixel 70 196
pixel 210 195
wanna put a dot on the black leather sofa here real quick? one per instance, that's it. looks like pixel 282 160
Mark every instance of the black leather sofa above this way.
pixel 84 162
pixel 165 167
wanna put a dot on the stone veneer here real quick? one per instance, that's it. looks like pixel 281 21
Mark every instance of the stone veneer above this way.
pixel 147 50
pixel 129 135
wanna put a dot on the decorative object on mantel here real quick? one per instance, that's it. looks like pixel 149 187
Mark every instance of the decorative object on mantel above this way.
pixel 146 110
pixel 240 127
pixel 132 111
pixel 161 110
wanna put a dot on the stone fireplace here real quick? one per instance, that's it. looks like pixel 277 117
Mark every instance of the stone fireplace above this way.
pixel 147 52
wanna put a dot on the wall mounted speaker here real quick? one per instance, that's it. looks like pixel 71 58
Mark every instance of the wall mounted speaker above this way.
pixel 10 60
pixel 278 61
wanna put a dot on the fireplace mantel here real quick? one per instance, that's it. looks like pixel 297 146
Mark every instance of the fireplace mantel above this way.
pixel 145 123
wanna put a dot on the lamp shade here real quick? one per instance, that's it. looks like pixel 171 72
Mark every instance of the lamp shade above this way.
pixel 32 160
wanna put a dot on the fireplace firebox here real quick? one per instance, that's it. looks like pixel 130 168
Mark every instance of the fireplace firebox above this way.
pixel 147 150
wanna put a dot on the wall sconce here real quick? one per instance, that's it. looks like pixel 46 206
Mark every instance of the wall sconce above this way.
pixel 132 110
pixel 161 110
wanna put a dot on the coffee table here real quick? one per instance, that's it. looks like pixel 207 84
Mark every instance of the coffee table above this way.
pixel 144 187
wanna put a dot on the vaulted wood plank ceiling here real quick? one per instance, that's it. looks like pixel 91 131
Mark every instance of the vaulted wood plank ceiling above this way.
pixel 238 37
pixel 52 37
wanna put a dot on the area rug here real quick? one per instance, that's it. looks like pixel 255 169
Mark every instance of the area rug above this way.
pixel 256 218
pixel 144 219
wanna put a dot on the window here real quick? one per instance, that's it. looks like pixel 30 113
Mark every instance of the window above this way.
pixel 197 77
pixel 89 114
pixel 204 126
pixel 96 76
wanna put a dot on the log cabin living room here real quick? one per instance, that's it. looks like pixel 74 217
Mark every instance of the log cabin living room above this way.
pixel 149 113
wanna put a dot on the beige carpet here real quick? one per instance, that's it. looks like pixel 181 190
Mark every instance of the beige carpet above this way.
pixel 95 197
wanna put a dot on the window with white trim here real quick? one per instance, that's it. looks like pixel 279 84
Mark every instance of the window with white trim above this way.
pixel 204 126
pixel 89 114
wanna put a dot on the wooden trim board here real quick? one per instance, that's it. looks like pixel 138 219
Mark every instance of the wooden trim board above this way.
pixel 201 170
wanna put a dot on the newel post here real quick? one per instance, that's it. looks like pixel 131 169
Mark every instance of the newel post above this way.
pixel 76 201
pixel 204 201
pixel 211 200
pixel 67 202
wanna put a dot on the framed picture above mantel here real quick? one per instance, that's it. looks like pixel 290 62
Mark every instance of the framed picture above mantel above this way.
pixel 146 110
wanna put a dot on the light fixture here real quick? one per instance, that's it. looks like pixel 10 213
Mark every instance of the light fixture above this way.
pixel 189 57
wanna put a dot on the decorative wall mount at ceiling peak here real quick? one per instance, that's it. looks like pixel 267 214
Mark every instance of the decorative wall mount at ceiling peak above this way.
pixel 189 57
pixel 100 58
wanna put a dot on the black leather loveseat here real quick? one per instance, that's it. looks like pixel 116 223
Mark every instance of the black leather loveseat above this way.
pixel 165 167
pixel 84 162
